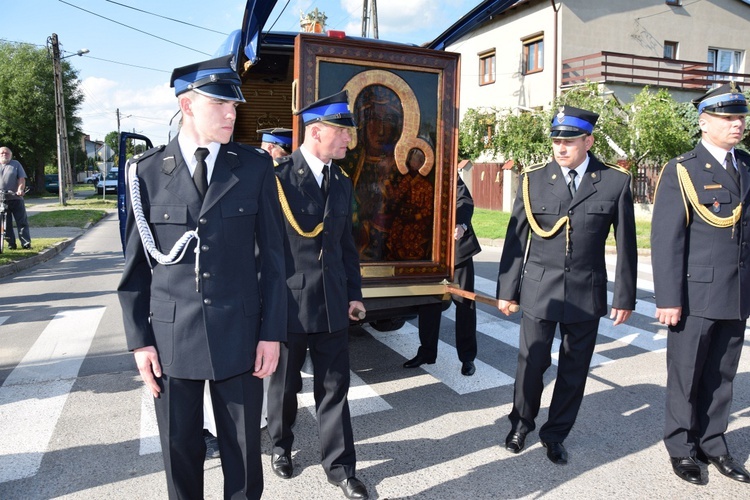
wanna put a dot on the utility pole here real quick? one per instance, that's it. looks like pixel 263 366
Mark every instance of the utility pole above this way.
pixel 64 170
pixel 63 157
pixel 370 17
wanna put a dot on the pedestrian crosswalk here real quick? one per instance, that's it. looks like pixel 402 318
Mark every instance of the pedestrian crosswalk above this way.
pixel 40 384
pixel 33 395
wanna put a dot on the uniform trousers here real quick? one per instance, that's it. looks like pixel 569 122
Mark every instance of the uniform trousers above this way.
pixel 702 359
pixel 329 353
pixel 534 357
pixel 466 320
pixel 236 405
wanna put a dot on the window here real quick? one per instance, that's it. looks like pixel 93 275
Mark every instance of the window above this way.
pixel 533 54
pixel 670 50
pixel 487 67
pixel 725 61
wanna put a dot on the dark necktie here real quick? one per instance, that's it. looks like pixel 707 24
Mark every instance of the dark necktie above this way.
pixel 200 176
pixel 572 183
pixel 731 170
pixel 325 184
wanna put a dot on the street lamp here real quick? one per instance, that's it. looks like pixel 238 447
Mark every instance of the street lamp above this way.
pixel 79 53
pixel 64 171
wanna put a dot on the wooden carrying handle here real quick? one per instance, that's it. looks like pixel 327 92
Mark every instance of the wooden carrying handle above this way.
pixel 477 297
pixel 359 313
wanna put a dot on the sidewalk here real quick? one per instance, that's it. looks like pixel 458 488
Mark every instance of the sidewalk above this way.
pixel 35 206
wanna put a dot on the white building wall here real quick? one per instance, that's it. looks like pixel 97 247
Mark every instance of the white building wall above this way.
pixel 504 34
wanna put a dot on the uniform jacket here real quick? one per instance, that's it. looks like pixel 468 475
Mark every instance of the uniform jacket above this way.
pixel 702 268
pixel 211 334
pixel 570 287
pixel 322 272
pixel 468 246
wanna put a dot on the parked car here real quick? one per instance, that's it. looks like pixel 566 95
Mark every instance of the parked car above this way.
pixel 94 179
pixel 109 184
pixel 51 183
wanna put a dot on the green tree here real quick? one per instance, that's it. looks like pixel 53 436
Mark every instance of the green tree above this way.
pixel 27 106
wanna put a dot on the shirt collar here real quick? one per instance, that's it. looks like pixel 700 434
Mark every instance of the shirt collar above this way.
pixel 580 169
pixel 188 147
pixel 315 163
pixel 719 154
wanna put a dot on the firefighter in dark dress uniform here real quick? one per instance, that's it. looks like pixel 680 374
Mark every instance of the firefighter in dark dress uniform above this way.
pixel 568 206
pixel 324 292
pixel 195 304
pixel 701 261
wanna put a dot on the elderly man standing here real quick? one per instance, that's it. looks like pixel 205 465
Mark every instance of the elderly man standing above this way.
pixel 202 291
pixel 701 264
pixel 13 178
pixel 559 276
pixel 324 287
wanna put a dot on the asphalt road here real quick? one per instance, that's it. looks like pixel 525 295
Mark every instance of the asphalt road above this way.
pixel 77 424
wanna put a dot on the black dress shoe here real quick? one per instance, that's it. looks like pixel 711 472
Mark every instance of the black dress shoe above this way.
pixel 352 488
pixel 27 246
pixel 556 453
pixel 212 445
pixel 515 441
pixel 468 368
pixel 418 361
pixel 281 465
pixel 687 469
pixel 730 468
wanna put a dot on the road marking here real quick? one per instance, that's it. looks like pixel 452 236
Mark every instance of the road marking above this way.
pixel 3 319
pixel 363 400
pixel 149 442
pixel 446 369
pixel 34 394
pixel 644 339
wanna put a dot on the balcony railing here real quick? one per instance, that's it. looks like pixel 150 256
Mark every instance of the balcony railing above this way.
pixel 611 67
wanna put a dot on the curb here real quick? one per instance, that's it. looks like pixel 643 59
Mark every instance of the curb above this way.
pixel 43 256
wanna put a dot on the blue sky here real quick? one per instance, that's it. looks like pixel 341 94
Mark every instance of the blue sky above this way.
pixel 132 52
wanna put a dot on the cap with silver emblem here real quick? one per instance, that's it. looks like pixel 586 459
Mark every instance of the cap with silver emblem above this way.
pixel 213 78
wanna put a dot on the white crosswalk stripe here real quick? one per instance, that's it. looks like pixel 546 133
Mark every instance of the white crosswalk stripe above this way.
pixel 405 341
pixel 33 395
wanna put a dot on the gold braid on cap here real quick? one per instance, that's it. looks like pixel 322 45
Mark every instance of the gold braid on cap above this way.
pixel 688 190
pixel 563 221
pixel 287 210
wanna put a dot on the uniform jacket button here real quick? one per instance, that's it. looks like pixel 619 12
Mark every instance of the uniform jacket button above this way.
pixel 203 220
pixel 204 248
pixel 206 275
pixel 166 216
pixel 242 210
pixel 207 302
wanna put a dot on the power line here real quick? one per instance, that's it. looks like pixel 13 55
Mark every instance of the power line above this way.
pixel 168 18
pixel 135 29
pixel 126 64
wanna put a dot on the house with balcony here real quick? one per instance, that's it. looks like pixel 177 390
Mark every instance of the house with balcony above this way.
pixel 521 54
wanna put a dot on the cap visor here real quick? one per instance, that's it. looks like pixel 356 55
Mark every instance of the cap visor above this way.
pixel 567 134
pixel 226 92
pixel 728 110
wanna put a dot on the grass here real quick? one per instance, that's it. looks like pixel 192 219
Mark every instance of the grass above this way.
pixel 72 217
pixel 492 224
pixel 38 244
